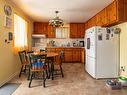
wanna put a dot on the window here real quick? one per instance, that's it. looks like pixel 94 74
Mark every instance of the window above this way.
pixel 62 32
pixel 20 32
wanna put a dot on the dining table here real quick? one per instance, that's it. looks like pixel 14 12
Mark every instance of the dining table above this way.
pixel 50 61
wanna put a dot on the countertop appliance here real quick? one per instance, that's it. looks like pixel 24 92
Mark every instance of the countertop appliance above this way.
pixel 81 43
pixel 102 52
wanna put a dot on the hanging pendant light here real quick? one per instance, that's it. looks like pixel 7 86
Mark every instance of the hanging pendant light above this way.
pixel 56 22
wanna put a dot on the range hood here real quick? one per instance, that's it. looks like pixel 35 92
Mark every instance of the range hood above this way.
pixel 38 36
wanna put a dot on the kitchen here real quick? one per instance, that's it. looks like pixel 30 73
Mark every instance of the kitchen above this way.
pixel 69 38
pixel 73 46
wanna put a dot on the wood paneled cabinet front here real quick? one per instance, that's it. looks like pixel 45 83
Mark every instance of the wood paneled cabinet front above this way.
pixel 44 28
pixel 50 32
pixel 38 28
pixel 77 30
pixel 81 30
pixel 101 18
pixel 70 54
pixel 73 30
pixel 76 56
pixel 113 14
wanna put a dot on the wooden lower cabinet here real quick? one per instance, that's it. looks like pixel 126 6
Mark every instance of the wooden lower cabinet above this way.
pixel 76 55
pixel 71 55
pixel 51 49
pixel 68 55
pixel 83 56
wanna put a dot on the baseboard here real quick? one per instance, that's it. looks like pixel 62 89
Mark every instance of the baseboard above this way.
pixel 9 78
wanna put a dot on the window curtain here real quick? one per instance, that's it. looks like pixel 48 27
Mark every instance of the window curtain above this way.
pixel 62 32
pixel 20 33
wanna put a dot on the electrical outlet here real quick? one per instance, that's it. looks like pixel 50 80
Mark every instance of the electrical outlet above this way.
pixel 123 68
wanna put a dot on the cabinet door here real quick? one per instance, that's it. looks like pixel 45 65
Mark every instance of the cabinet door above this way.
pixel 111 12
pixel 73 30
pixel 101 18
pixel 125 10
pixel 37 28
pixel 68 55
pixel 81 30
pixel 40 28
pixel 91 22
pixel 44 26
pixel 76 55
pixel 83 55
pixel 58 50
pixel 86 26
pixel 50 32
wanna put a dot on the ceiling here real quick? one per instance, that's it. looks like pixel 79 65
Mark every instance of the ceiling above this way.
pixel 70 10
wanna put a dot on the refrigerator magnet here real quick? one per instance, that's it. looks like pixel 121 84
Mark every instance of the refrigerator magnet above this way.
pixel 100 37
pixel 107 37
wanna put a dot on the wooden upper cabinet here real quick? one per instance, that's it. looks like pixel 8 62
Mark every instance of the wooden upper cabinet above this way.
pixel 124 10
pixel 86 25
pixel 114 13
pixel 77 30
pixel 50 32
pixel 44 28
pixel 73 30
pixel 91 22
pixel 101 18
pixel 81 30
pixel 94 21
pixel 37 28
pixel 111 13
pixel 40 28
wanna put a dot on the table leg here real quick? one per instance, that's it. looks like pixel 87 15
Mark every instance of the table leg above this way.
pixel 49 69
pixel 52 70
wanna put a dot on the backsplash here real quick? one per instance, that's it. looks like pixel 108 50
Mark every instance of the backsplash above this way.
pixel 42 43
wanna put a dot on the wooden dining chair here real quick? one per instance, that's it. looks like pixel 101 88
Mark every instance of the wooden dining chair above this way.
pixel 28 53
pixel 38 67
pixel 58 63
pixel 24 62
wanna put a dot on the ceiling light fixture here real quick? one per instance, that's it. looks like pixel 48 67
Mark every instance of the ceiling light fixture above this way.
pixel 56 22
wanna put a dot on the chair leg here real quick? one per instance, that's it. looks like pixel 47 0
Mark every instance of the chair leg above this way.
pixel 28 74
pixel 31 78
pixel 47 76
pixel 44 78
pixel 25 69
pixel 61 71
pixel 49 70
pixel 20 71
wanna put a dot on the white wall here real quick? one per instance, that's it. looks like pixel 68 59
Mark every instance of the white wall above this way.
pixel 9 61
pixel 123 47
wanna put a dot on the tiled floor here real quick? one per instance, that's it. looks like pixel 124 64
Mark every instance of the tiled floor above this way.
pixel 75 82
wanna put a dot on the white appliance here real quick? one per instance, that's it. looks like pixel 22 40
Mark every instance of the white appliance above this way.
pixel 102 52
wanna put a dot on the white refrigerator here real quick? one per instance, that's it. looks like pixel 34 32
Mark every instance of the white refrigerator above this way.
pixel 102 52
